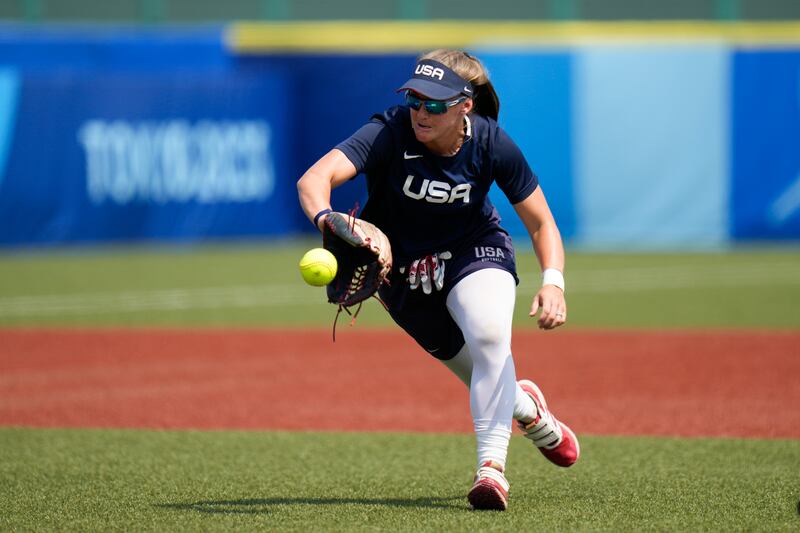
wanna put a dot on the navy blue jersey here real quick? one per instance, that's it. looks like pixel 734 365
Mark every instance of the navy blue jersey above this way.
pixel 428 203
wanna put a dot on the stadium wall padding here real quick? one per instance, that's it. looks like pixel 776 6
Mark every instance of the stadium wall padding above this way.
pixel 170 134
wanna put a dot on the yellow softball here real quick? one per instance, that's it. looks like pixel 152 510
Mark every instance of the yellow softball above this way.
pixel 318 267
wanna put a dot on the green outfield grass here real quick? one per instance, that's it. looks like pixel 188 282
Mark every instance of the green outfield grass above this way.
pixel 129 480
pixel 259 285
pixel 123 480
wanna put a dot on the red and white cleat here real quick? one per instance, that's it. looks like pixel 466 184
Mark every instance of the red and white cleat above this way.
pixel 553 438
pixel 489 492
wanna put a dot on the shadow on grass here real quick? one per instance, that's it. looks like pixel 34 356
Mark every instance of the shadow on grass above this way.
pixel 267 505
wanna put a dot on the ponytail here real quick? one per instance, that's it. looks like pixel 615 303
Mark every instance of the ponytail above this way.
pixel 486 101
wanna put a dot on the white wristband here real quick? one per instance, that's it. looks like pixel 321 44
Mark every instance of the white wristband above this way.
pixel 553 276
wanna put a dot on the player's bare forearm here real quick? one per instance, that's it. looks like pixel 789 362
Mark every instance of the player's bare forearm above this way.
pixel 314 191
pixel 538 220
pixel 549 248
pixel 314 187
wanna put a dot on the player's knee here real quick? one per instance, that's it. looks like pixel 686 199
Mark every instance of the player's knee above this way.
pixel 490 335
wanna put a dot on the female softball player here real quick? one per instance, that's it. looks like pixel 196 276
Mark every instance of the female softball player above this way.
pixel 429 165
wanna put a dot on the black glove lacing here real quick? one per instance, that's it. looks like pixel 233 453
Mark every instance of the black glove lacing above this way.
pixel 356 283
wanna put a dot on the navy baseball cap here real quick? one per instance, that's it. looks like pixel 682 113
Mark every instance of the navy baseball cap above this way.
pixel 437 81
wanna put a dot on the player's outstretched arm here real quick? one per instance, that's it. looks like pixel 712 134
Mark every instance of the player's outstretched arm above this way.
pixel 535 214
pixel 314 187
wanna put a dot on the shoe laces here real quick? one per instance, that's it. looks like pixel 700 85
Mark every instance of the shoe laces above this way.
pixel 493 471
pixel 544 431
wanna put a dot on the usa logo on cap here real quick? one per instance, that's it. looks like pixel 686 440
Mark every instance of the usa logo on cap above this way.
pixel 437 81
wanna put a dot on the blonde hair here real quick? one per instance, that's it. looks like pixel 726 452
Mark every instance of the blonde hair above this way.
pixel 471 69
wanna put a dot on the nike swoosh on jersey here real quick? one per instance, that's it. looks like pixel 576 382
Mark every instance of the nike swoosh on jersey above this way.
pixel 406 155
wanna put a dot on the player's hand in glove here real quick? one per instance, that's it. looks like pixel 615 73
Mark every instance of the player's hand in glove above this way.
pixel 428 272
pixel 363 254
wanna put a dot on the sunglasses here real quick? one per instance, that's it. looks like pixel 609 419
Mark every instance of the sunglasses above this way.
pixel 434 107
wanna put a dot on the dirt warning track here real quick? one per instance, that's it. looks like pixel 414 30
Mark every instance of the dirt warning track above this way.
pixel 720 383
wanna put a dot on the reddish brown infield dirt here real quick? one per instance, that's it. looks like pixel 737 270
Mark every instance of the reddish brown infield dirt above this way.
pixel 623 383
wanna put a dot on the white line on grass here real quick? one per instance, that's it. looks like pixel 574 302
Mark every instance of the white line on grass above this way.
pixel 684 276
pixel 160 300
pixel 579 281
